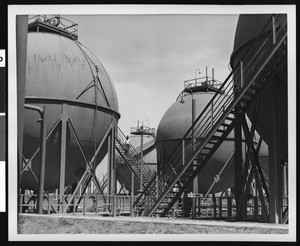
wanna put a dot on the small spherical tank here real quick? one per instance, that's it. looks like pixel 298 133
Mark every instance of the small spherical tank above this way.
pixel 122 170
pixel 248 27
pixel 172 127
pixel 61 71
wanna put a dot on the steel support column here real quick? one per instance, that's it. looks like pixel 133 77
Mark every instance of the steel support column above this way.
pixel 62 168
pixel 141 160
pixel 195 181
pixel 275 172
pixel 21 47
pixel 238 167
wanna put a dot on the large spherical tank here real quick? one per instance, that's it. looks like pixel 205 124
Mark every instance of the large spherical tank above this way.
pixel 124 173
pixel 248 27
pixel 174 124
pixel 58 70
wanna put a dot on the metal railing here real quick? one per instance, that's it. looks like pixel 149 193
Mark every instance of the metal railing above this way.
pixel 56 21
pixel 133 158
pixel 143 129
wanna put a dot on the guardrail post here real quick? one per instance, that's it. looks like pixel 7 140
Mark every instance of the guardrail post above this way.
pixel 173 210
pixel 48 204
pixel 229 206
pixel 220 206
pixel 114 206
pixel 96 203
pixel 199 206
pixel 21 203
pixel 84 205
pixel 214 205
pixel 74 205
pixel 255 199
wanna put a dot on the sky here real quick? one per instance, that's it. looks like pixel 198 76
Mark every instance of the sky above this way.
pixel 148 57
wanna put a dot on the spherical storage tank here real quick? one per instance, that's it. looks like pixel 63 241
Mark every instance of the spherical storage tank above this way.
pixel 248 27
pixel 172 127
pixel 59 69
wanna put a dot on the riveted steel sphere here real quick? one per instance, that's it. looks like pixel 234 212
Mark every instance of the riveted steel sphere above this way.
pixel 248 27
pixel 62 71
pixel 172 127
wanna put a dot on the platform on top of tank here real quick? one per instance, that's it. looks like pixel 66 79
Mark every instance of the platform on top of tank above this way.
pixel 202 88
pixel 41 26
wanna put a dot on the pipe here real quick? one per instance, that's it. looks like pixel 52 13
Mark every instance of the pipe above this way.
pixel 41 180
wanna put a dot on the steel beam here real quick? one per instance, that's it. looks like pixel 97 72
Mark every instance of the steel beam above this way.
pixel 275 170
pixel 238 168
pixel 62 168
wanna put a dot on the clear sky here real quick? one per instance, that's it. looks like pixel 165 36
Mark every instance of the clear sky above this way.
pixel 149 56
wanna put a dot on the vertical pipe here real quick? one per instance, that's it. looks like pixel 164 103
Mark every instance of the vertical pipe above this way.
pixel 206 74
pixel 43 161
pixel 141 163
pixel 62 173
pixel 274 29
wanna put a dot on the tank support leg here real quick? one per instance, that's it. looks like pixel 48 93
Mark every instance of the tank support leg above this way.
pixel 62 168
pixel 275 169
pixel 238 168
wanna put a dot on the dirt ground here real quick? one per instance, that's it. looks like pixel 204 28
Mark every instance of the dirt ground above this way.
pixel 53 224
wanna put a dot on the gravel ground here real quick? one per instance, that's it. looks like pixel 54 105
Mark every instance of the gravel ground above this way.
pixel 54 224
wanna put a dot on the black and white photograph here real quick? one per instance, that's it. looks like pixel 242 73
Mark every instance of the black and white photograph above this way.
pixel 151 123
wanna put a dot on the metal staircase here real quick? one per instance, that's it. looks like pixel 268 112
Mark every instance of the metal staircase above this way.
pixel 147 147
pixel 218 118
pixel 133 159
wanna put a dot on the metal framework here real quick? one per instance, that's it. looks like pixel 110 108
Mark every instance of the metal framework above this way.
pixel 62 124
pixel 228 109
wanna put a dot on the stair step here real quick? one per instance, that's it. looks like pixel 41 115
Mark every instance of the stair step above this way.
pixel 246 100
pixel 224 124
pixel 209 148
pixel 230 118
pixel 249 94
pixel 254 87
